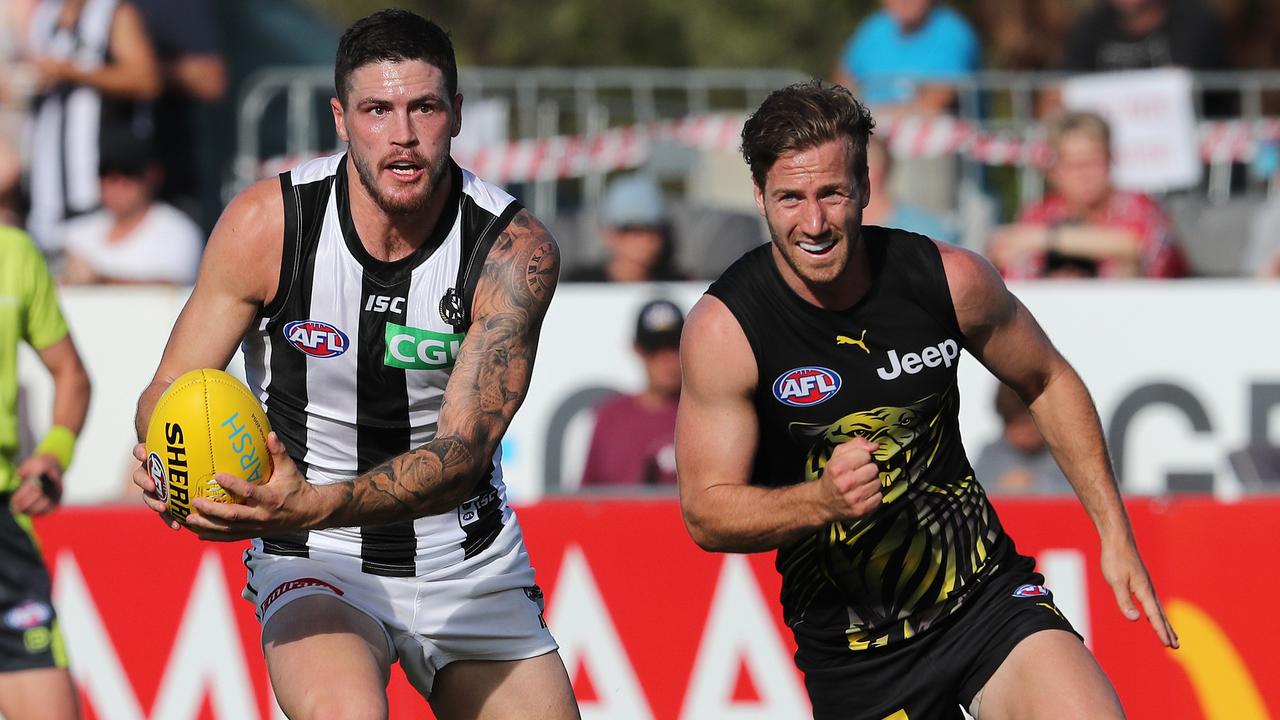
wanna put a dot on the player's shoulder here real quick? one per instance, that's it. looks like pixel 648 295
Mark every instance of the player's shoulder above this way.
pixel 247 242
pixel 528 242
pixel 714 350
pixel 964 268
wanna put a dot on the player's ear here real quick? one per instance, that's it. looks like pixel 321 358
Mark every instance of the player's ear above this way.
pixel 339 119
pixel 457 114
pixel 759 193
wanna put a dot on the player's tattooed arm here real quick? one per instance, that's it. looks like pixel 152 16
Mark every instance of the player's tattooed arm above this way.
pixel 489 382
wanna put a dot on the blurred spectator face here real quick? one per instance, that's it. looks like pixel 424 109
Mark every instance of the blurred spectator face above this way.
pixel 635 218
pixel 638 245
pixel 658 328
pixel 125 194
pixel 910 14
pixel 1022 433
pixel 1081 172
pixel 1020 429
pixel 662 370
pixel 398 121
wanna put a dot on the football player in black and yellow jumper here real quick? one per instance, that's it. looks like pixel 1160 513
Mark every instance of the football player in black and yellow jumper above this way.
pixel 819 418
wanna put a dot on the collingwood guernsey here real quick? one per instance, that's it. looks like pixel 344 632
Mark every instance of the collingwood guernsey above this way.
pixel 885 370
pixel 352 355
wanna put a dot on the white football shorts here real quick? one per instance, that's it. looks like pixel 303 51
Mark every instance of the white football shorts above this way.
pixel 486 607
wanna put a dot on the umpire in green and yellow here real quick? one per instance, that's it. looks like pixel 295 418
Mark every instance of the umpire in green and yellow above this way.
pixel 34 680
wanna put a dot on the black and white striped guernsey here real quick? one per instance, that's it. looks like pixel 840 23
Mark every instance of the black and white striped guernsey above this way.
pixel 352 355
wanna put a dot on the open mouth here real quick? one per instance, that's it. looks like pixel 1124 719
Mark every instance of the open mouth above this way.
pixel 405 169
pixel 818 248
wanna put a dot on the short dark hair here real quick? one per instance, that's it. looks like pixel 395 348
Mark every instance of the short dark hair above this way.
pixel 393 35
pixel 803 116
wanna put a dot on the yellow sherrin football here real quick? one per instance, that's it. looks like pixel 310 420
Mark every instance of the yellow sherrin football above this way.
pixel 207 422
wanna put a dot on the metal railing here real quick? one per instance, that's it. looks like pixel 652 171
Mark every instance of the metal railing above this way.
pixel 543 101
pixel 283 111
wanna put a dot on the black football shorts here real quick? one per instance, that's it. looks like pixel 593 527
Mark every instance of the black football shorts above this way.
pixel 932 675
pixel 29 636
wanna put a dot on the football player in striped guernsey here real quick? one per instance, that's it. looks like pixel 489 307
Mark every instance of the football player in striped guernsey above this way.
pixel 388 304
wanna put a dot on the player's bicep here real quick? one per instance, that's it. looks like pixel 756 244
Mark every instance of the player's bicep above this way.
pixel 716 425
pixel 998 329
pixel 495 363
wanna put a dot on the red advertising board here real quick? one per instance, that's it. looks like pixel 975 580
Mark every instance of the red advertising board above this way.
pixel 652 627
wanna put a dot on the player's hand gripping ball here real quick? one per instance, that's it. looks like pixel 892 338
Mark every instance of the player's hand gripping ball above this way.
pixel 207 422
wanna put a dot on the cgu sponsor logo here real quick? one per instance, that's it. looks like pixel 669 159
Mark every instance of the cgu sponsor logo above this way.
pixel 315 338
pixel 806 386
pixel 944 353
pixel 413 348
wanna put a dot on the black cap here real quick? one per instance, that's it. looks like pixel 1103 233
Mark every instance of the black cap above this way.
pixel 122 152
pixel 658 325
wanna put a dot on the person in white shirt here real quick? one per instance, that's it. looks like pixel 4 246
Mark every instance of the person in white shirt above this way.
pixel 133 238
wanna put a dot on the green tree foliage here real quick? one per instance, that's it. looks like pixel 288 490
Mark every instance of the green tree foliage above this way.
pixel 804 35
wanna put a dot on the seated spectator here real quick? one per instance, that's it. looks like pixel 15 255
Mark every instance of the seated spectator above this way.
pixel 1086 218
pixel 895 51
pixel 636 233
pixel 633 443
pixel 885 210
pixel 133 238
pixel 1019 462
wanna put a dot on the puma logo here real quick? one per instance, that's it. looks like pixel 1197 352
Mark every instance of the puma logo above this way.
pixel 846 340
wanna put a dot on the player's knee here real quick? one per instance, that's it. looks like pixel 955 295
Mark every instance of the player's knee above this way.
pixel 334 704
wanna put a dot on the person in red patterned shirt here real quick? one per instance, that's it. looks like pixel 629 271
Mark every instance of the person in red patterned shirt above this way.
pixel 1086 226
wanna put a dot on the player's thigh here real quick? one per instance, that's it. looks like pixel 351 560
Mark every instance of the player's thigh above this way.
pixel 327 659
pixel 1049 675
pixel 39 694
pixel 536 688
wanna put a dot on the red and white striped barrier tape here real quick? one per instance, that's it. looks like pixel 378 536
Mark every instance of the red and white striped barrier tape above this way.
pixel 569 156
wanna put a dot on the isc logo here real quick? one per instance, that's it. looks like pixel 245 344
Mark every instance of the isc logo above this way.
pixel 805 386
pixel 315 338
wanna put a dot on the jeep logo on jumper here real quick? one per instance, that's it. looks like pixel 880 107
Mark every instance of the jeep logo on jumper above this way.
pixel 413 348
pixel 805 386
pixel 944 353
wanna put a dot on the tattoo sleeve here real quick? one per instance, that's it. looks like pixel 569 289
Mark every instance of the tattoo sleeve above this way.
pixel 489 382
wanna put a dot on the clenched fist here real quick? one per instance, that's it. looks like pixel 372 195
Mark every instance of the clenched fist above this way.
pixel 853 480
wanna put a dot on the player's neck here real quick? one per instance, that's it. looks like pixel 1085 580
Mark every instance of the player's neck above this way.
pixel 389 237
pixel 841 293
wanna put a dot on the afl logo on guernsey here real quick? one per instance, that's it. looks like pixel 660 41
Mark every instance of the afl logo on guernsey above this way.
pixel 1031 591
pixel 806 386
pixel 315 338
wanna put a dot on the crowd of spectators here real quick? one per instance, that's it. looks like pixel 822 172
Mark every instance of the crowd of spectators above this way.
pixel 98 100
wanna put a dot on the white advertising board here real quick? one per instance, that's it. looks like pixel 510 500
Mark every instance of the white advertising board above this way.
pixel 1183 373
pixel 1153 125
